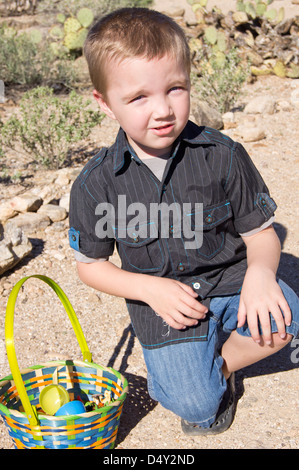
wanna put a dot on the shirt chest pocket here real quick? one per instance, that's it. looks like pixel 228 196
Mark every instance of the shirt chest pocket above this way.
pixel 212 229
pixel 140 250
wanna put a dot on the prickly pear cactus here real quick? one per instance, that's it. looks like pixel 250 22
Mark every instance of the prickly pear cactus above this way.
pixel 261 10
pixel 85 17
pixel 71 25
pixel 72 31
pixel 211 35
pixel 75 40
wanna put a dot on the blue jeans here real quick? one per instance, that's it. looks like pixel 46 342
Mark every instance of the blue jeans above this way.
pixel 187 378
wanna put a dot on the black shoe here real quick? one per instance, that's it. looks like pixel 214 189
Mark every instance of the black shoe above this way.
pixel 224 417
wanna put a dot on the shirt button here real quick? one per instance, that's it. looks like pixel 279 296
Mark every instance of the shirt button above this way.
pixel 209 219
pixel 181 267
pixel 196 285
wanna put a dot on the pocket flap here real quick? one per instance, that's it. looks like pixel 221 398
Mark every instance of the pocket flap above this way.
pixel 136 237
pixel 216 215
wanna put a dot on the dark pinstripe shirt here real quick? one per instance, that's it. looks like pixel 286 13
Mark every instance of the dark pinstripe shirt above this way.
pixel 205 167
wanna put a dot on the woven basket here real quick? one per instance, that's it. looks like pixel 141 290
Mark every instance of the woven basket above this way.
pixel 28 426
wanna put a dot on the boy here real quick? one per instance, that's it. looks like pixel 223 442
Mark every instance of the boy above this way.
pixel 209 258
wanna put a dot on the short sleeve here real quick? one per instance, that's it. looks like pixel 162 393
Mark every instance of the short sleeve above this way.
pixel 84 218
pixel 247 192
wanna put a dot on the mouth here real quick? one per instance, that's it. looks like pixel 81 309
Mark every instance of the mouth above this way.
pixel 163 130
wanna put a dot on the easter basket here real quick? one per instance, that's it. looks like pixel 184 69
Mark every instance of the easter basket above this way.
pixel 28 425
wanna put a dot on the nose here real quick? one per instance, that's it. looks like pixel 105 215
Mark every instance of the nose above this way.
pixel 162 108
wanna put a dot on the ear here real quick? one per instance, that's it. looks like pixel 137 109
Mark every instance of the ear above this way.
pixel 103 104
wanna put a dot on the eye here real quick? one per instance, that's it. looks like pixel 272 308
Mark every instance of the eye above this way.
pixel 176 89
pixel 138 98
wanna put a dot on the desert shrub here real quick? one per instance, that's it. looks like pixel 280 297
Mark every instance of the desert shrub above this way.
pixel 47 126
pixel 220 81
pixel 26 61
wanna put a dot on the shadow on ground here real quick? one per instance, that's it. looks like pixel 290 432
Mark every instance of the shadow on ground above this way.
pixel 138 402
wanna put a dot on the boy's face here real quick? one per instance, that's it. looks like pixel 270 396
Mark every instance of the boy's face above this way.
pixel 150 100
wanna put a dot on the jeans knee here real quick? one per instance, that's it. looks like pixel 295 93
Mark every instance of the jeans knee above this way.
pixel 196 404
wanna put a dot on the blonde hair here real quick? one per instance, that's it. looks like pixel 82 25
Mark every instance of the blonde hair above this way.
pixel 132 32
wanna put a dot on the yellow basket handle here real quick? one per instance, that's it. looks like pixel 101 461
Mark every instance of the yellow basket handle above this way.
pixel 9 339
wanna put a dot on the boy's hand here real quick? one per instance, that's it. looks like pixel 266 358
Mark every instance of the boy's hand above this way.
pixel 174 301
pixel 261 295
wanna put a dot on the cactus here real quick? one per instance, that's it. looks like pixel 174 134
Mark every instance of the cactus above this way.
pixel 271 14
pixel 279 69
pixel 60 18
pixel 56 32
pixel 72 34
pixel 221 41
pixel 211 35
pixel 71 25
pixel 260 9
pixel 85 17
pixel 293 72
pixel 240 6
pixel 75 40
pixel 219 58
pixel 250 10
pixel 281 15
pixel 202 3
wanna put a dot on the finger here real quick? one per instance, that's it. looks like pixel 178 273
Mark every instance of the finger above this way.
pixel 190 298
pixel 191 314
pixel 177 326
pixel 193 311
pixel 189 290
pixel 241 314
pixel 265 323
pixel 178 321
pixel 252 320
pixel 279 320
pixel 286 311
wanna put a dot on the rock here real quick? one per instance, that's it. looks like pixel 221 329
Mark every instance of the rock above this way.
pixel 295 98
pixel 205 115
pixel 240 17
pixel 229 120
pixel 258 71
pixel 284 105
pixel 228 117
pixel 251 134
pixel 255 58
pixel 62 179
pixel 13 248
pixel 260 105
pixel 65 202
pixel 54 212
pixel 284 26
pixel 6 212
pixel 29 222
pixel 26 203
